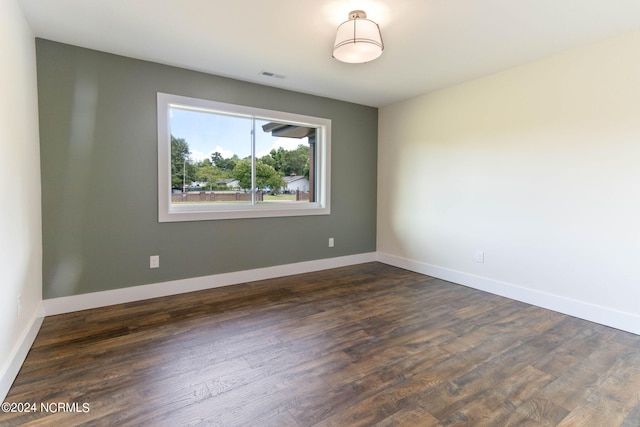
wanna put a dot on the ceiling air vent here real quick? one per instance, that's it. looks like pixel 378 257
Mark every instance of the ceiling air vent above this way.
pixel 274 75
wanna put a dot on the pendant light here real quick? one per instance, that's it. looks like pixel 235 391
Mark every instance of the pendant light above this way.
pixel 358 40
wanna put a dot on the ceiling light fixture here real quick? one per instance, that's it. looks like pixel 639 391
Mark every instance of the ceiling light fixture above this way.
pixel 358 40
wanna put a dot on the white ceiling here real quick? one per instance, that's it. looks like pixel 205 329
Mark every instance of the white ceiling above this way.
pixel 429 44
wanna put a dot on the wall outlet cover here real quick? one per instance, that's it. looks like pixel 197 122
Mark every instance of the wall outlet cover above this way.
pixel 154 261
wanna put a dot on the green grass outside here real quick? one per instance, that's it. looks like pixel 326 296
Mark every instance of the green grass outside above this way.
pixel 265 197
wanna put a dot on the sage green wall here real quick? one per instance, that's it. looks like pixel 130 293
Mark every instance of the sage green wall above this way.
pixel 99 178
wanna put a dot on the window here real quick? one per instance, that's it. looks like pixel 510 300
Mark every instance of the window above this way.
pixel 222 161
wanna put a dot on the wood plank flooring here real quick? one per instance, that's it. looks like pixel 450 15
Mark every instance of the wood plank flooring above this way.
pixel 366 345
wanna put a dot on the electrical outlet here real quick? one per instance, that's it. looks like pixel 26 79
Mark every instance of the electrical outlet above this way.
pixel 154 261
pixel 331 242
pixel 480 256
pixel 19 306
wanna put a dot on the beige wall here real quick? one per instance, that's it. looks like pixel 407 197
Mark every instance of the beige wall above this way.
pixel 537 166
pixel 20 222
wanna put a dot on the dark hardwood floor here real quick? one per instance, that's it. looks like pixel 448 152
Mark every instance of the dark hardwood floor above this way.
pixel 356 346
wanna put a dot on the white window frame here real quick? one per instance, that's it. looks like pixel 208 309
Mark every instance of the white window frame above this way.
pixel 168 212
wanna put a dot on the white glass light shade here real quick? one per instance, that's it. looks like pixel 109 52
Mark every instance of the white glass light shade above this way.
pixel 358 40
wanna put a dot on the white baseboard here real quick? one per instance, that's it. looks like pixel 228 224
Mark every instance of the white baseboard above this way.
pixel 602 315
pixel 136 293
pixel 19 353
